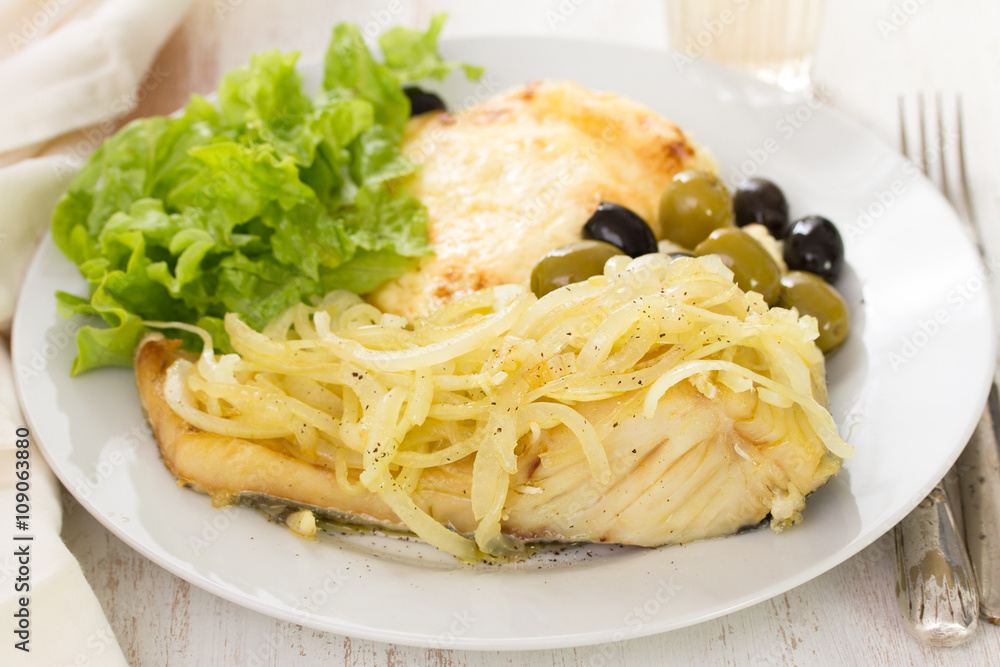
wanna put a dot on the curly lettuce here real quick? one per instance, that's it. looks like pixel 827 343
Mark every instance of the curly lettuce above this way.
pixel 251 203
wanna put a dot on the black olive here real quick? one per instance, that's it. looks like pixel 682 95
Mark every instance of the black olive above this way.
pixel 813 244
pixel 760 201
pixel 678 255
pixel 422 101
pixel 621 228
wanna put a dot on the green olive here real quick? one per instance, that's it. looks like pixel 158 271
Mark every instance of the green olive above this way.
pixel 753 267
pixel 570 264
pixel 692 205
pixel 812 295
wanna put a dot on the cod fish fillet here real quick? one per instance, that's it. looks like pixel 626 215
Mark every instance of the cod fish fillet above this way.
pixel 701 467
pixel 517 175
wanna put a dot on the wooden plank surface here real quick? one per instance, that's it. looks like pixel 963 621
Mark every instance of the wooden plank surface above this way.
pixel 870 51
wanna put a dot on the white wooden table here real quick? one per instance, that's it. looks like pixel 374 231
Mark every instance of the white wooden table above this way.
pixel 870 51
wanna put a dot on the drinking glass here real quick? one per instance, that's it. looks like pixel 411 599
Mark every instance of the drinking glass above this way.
pixel 774 39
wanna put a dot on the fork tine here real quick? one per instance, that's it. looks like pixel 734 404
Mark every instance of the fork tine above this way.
pixel 968 210
pixel 962 174
pixel 942 162
pixel 903 143
pixel 936 143
pixel 922 121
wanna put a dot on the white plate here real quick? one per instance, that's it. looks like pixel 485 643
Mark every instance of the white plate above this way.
pixel 915 291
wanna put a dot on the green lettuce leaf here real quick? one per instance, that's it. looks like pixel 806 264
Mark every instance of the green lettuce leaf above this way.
pixel 264 198
pixel 352 72
pixel 413 54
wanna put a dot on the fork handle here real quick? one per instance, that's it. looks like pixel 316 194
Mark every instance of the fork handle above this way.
pixel 979 470
pixel 935 587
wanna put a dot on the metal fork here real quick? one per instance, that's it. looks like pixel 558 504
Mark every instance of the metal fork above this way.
pixel 979 464
pixel 936 582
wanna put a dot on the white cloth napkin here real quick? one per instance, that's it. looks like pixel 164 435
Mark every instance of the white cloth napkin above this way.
pixel 65 65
